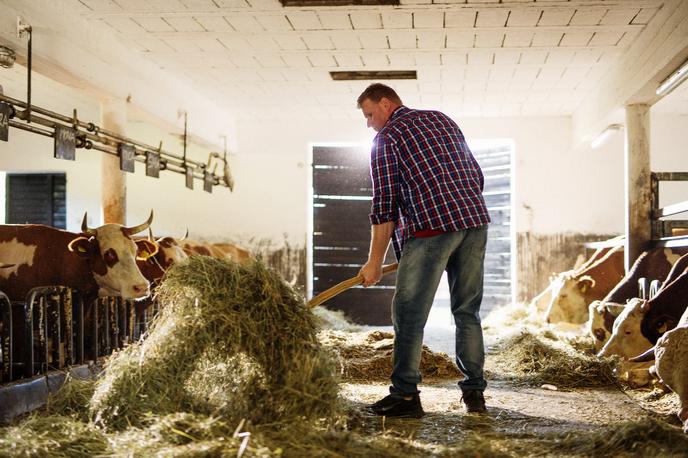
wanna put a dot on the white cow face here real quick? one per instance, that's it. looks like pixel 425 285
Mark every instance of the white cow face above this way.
pixel 568 299
pixel 671 353
pixel 627 340
pixel 112 255
pixel 598 313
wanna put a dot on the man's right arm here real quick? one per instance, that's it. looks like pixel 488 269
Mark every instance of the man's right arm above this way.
pixel 383 216
pixel 379 241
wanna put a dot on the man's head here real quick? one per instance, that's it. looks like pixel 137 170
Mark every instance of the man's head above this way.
pixel 377 103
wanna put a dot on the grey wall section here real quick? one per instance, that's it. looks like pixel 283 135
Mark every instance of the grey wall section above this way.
pixel 540 255
pixel 286 258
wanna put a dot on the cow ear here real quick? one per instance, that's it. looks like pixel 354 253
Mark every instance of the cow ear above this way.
pixel 145 249
pixel 585 283
pixel 81 246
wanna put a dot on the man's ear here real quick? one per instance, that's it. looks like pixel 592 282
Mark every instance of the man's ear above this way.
pixel 81 246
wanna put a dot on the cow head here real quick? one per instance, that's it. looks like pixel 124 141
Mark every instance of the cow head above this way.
pixel 112 255
pixel 569 302
pixel 626 339
pixel 601 316
pixel 169 253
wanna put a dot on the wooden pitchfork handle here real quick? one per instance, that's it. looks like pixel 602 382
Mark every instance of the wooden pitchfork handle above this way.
pixel 346 284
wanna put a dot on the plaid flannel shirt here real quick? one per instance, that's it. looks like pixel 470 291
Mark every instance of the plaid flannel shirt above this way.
pixel 424 176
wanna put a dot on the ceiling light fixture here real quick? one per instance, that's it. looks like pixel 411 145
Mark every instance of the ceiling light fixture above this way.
pixel 605 135
pixel 374 75
pixel 674 80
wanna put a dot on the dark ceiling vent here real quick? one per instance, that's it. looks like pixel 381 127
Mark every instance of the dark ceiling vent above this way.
pixel 289 3
pixel 375 75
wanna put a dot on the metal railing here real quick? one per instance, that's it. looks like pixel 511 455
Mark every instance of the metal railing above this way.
pixel 55 327
pixel 662 229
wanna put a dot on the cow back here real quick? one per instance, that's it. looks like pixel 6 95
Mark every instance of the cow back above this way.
pixel 665 309
pixel 41 257
pixel 652 264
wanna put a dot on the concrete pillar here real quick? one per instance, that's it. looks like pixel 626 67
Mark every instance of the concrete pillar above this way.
pixel 637 181
pixel 114 183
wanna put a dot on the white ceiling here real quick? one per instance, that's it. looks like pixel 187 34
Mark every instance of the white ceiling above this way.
pixel 258 59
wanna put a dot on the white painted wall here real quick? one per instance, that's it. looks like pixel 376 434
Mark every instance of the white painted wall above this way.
pixel 558 187
pixel 27 153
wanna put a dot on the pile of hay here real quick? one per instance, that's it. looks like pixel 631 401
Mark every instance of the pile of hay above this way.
pixel 536 359
pixel 231 340
pixel 367 356
pixel 334 319
pixel 647 437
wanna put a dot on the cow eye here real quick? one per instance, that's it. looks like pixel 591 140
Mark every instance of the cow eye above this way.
pixel 110 257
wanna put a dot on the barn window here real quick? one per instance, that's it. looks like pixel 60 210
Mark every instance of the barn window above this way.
pixel 36 198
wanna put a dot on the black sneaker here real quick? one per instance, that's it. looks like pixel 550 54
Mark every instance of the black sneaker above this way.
pixel 394 405
pixel 474 401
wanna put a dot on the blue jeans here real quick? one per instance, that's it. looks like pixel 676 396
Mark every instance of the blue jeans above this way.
pixel 423 260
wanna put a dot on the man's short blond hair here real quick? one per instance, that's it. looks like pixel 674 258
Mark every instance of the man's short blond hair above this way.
pixel 376 91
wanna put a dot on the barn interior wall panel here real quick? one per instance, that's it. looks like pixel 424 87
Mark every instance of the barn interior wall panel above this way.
pixel 541 255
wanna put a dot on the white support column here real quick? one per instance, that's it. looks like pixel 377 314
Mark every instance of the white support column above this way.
pixel 114 183
pixel 637 181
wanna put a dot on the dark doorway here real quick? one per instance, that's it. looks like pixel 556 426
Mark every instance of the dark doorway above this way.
pixel 341 233
pixel 36 198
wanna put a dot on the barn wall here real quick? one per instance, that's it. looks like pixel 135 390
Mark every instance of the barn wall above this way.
pixel 563 194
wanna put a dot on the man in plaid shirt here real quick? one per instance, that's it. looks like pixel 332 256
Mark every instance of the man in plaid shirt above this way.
pixel 427 197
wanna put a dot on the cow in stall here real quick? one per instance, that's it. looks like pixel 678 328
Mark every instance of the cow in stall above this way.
pixel 671 354
pixel 154 267
pixel 97 262
pixel 652 264
pixel 571 294
pixel 216 250
pixel 169 253
pixel 541 301
pixel 643 322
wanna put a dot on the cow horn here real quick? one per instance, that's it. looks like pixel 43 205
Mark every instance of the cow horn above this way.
pixel 185 235
pixel 649 355
pixel 84 226
pixel 150 234
pixel 140 227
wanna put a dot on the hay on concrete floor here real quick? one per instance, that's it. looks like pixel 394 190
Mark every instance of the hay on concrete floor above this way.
pixel 367 356
pixel 241 319
pixel 536 359
pixel 334 319
pixel 647 437
pixel 72 399
pixel 54 436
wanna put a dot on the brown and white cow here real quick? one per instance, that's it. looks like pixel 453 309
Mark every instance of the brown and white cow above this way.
pixel 671 366
pixel 168 254
pixel 655 264
pixel 541 301
pixel 642 322
pixel 216 250
pixel 671 354
pixel 571 294
pixel 601 316
pixel 100 261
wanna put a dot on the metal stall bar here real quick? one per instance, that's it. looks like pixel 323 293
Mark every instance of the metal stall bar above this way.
pixel 6 349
